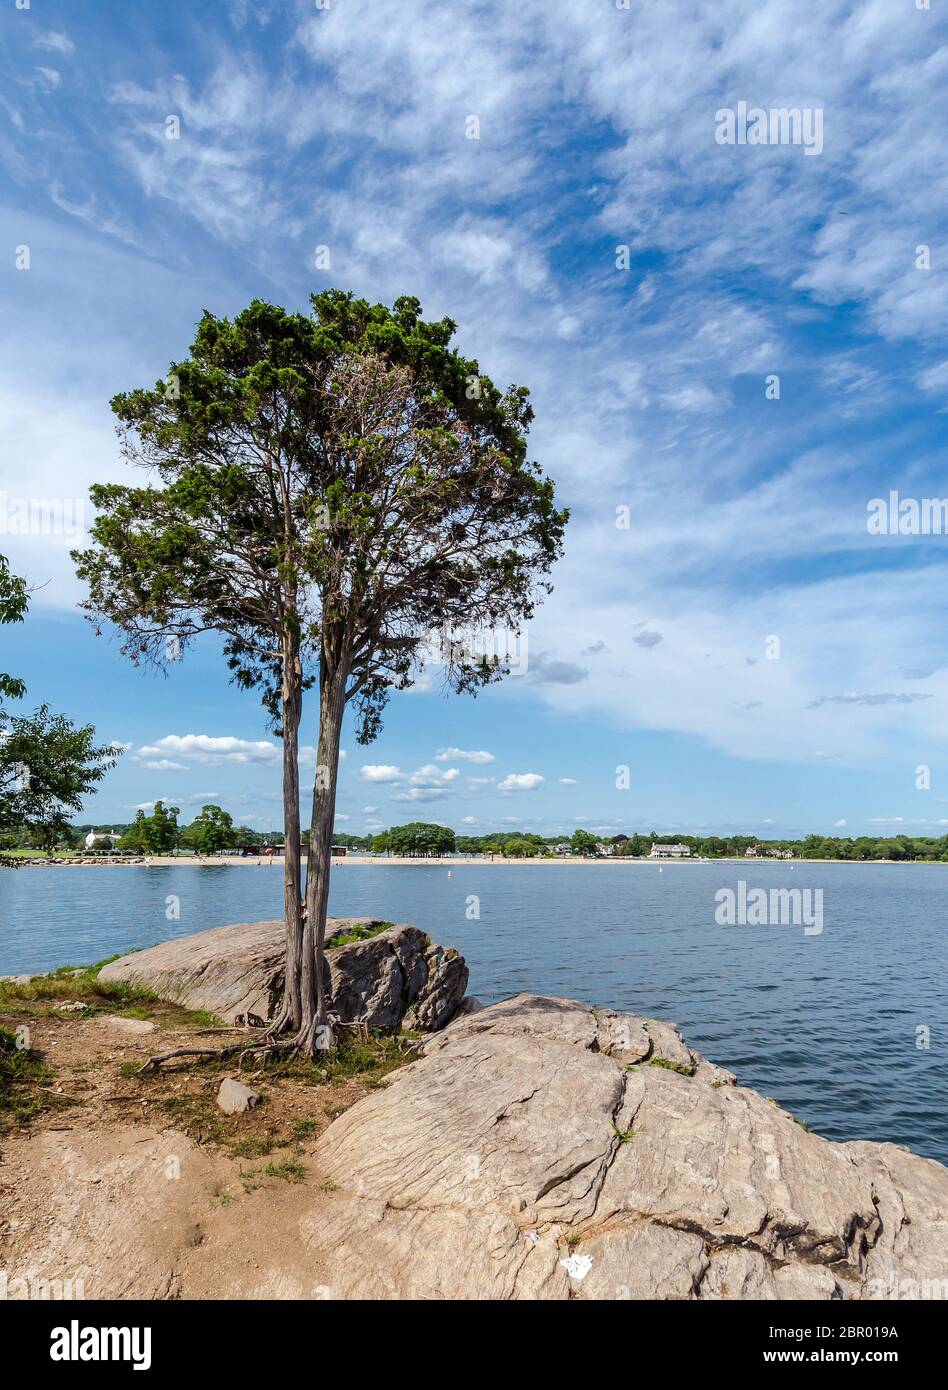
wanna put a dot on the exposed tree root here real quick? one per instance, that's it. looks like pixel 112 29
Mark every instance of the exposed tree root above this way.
pixel 311 1042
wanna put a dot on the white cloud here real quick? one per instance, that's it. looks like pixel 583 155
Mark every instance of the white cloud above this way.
pixel 58 42
pixel 380 772
pixel 567 781
pixel 459 754
pixel 520 782
pixel 206 748
pixel 165 765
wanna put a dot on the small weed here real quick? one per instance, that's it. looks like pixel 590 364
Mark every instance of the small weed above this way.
pixel 624 1135
pixel 290 1169
pixel 347 935
pixel 679 1067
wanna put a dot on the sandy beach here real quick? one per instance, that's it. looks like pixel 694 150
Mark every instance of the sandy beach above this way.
pixel 400 861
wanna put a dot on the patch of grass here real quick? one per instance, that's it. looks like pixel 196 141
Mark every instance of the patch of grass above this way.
pixel 22 1073
pixel 289 1169
pixel 356 932
pixel 679 1067
pixel 198 1115
pixel 255 1146
pixel 248 1176
pixel 327 1185
pixel 624 1135
pixel 303 1129
pixel 81 985
pixel 202 1019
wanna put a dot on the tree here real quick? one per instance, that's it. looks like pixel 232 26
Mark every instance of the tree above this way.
pixel 519 848
pixel 154 834
pixel 47 765
pixel 420 838
pixel 212 830
pixel 344 490
pixel 581 842
pixel 135 837
pixel 14 602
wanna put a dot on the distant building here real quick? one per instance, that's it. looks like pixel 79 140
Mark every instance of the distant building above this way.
pixel 669 852
pixel 101 839
pixel 780 853
pixel 751 851
pixel 339 851
pixel 605 849
pixel 563 847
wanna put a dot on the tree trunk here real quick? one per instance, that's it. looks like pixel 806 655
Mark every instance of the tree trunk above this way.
pixel 291 1016
pixel 315 1033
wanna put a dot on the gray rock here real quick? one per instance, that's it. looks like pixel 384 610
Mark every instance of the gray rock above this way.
pixel 395 976
pixel 525 1156
pixel 135 1026
pixel 234 1098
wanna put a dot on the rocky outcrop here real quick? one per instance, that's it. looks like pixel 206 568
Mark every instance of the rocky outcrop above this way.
pixel 542 1148
pixel 394 977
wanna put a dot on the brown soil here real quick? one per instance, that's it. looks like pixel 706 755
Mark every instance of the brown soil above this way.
pixel 140 1186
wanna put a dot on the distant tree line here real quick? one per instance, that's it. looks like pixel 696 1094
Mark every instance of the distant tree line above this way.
pixel 213 831
pixel 422 839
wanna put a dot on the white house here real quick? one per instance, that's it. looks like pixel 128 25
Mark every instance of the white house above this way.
pixel 669 852
pixel 100 840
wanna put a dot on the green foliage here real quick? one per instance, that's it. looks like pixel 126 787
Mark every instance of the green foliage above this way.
pixel 416 838
pixel 14 602
pixel 347 472
pixel 47 765
pixel 347 935
pixel 625 1136
pixel 581 842
pixel 682 1068
pixel 23 1074
pixel 154 834
pixel 211 831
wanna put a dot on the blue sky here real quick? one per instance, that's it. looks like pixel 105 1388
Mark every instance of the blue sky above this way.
pixel 348 127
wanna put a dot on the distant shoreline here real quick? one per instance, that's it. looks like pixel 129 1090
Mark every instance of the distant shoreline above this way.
pixel 443 862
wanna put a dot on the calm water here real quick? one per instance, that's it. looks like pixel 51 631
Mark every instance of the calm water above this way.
pixel 826 1024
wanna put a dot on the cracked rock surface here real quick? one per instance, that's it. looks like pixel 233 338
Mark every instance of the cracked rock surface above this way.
pixel 238 970
pixel 544 1148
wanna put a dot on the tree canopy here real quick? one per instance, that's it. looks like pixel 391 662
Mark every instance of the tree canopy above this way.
pixel 47 765
pixel 343 497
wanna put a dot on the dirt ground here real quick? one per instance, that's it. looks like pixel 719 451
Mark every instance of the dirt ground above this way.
pixel 118 1184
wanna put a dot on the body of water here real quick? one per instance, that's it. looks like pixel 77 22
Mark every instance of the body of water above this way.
pixel 826 1023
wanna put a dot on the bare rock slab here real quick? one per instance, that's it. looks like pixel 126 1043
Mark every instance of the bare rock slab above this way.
pixel 396 976
pixel 541 1148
